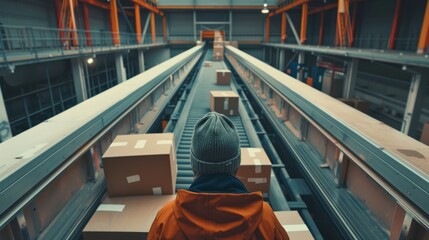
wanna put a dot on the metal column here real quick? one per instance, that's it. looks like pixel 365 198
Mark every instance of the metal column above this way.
pixel 415 99
pixel 140 56
pixel 282 60
pixel 120 69
pixel 5 130
pixel 195 25
pixel 301 61
pixel 79 79
pixel 350 78
pixel 230 25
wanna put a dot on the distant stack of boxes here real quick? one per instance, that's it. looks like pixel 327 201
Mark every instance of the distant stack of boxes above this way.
pixel 255 170
pixel 135 166
pixel 357 103
pixel 218 47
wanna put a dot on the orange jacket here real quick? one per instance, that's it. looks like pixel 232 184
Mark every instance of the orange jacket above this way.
pixel 216 216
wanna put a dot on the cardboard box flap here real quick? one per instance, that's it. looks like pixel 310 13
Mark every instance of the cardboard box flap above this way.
pixel 126 214
pixel 254 156
pixel 223 94
pixel 140 144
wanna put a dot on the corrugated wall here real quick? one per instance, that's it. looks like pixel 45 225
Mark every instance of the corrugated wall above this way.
pixel 30 13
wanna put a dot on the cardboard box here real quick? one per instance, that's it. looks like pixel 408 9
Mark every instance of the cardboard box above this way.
pixel 294 225
pixel 223 77
pixel 225 102
pixel 141 164
pixel 333 84
pixel 255 170
pixel 361 105
pixel 425 134
pixel 124 217
pixel 207 64
pixel 218 53
pixel 218 58
pixel 218 44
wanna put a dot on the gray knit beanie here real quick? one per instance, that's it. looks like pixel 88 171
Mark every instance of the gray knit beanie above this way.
pixel 215 145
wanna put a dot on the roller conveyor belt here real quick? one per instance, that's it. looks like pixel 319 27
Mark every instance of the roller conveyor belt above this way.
pixel 199 103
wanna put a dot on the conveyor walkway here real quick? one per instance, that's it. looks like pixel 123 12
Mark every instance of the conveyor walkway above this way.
pixel 199 101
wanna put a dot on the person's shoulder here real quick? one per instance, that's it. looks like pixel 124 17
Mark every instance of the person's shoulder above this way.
pixel 167 210
pixel 267 210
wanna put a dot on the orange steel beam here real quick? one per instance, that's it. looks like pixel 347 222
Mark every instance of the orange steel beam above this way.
pixel 283 30
pixel 149 7
pixel 58 6
pixel 424 35
pixel 189 7
pixel 152 27
pixel 394 25
pixel 322 23
pixel 353 27
pixel 87 26
pixel 329 7
pixel 267 29
pixel 288 7
pixel 138 23
pixel 73 23
pixel 348 24
pixel 114 25
pixel 164 27
pixel 337 33
pixel 344 29
pixel 102 5
pixel 304 22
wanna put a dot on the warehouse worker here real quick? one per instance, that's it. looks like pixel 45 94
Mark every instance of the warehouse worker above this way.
pixel 217 205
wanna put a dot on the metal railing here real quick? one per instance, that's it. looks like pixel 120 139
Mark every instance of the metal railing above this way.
pixel 33 41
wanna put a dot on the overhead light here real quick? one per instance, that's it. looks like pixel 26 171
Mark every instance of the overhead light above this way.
pixel 90 60
pixel 265 9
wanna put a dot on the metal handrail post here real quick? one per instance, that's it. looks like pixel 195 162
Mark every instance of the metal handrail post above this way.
pixel 33 42
pixel 3 47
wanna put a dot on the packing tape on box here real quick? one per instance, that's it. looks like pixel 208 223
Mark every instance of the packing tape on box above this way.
pixel 226 103
pixel 257 180
pixel 252 151
pixel 157 191
pixel 133 178
pixel 119 144
pixel 111 208
pixel 165 142
pixel 257 165
pixel 295 227
pixel 140 143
